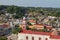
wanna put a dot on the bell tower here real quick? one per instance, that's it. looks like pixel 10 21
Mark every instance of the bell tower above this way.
pixel 24 23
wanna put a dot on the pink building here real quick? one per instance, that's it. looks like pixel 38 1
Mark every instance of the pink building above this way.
pixel 34 35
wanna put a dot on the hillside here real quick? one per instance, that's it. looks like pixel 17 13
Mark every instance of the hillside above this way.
pixel 31 11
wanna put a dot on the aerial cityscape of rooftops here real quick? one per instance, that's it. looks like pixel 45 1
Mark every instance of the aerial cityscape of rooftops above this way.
pixel 29 23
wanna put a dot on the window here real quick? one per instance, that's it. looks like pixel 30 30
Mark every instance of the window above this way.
pixel 46 39
pixel 39 38
pixel 32 38
pixel 26 37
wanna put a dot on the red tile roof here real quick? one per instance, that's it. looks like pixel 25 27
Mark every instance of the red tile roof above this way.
pixel 35 32
pixel 40 33
pixel 55 37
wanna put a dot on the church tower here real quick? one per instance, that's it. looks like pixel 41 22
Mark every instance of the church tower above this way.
pixel 24 23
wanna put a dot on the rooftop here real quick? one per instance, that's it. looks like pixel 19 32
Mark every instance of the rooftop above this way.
pixel 35 32
pixel 41 33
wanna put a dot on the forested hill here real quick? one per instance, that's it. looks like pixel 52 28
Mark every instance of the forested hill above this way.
pixel 30 10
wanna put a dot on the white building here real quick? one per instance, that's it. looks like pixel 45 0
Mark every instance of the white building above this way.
pixel 34 35
pixel 12 37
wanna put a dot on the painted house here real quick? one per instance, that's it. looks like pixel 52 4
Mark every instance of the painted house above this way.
pixel 38 26
pixel 32 21
pixel 34 35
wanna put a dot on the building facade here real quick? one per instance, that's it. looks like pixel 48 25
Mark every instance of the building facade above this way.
pixel 34 35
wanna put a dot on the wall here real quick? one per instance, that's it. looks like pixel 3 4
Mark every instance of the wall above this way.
pixel 54 39
pixel 22 36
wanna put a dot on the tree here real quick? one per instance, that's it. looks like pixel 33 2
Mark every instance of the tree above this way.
pixel 29 23
pixel 3 38
pixel 27 28
pixel 34 29
pixel 36 20
pixel 11 9
pixel 16 30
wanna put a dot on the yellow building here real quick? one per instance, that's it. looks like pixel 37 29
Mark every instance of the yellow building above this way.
pixel 38 26
pixel 21 26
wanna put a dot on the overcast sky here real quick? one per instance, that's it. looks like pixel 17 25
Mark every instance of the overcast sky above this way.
pixel 33 3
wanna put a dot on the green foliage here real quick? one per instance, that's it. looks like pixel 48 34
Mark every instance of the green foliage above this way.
pixel 16 30
pixel 17 25
pixel 28 28
pixel 59 27
pixel 29 23
pixel 20 11
pixel 34 29
pixel 3 38
pixel 16 16
pixel 11 9
pixel 57 14
pixel 36 20
pixel 43 30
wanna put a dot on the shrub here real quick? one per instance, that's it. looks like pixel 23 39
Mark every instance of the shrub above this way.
pixel 3 38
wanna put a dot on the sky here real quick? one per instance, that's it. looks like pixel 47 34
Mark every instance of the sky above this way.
pixel 32 3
